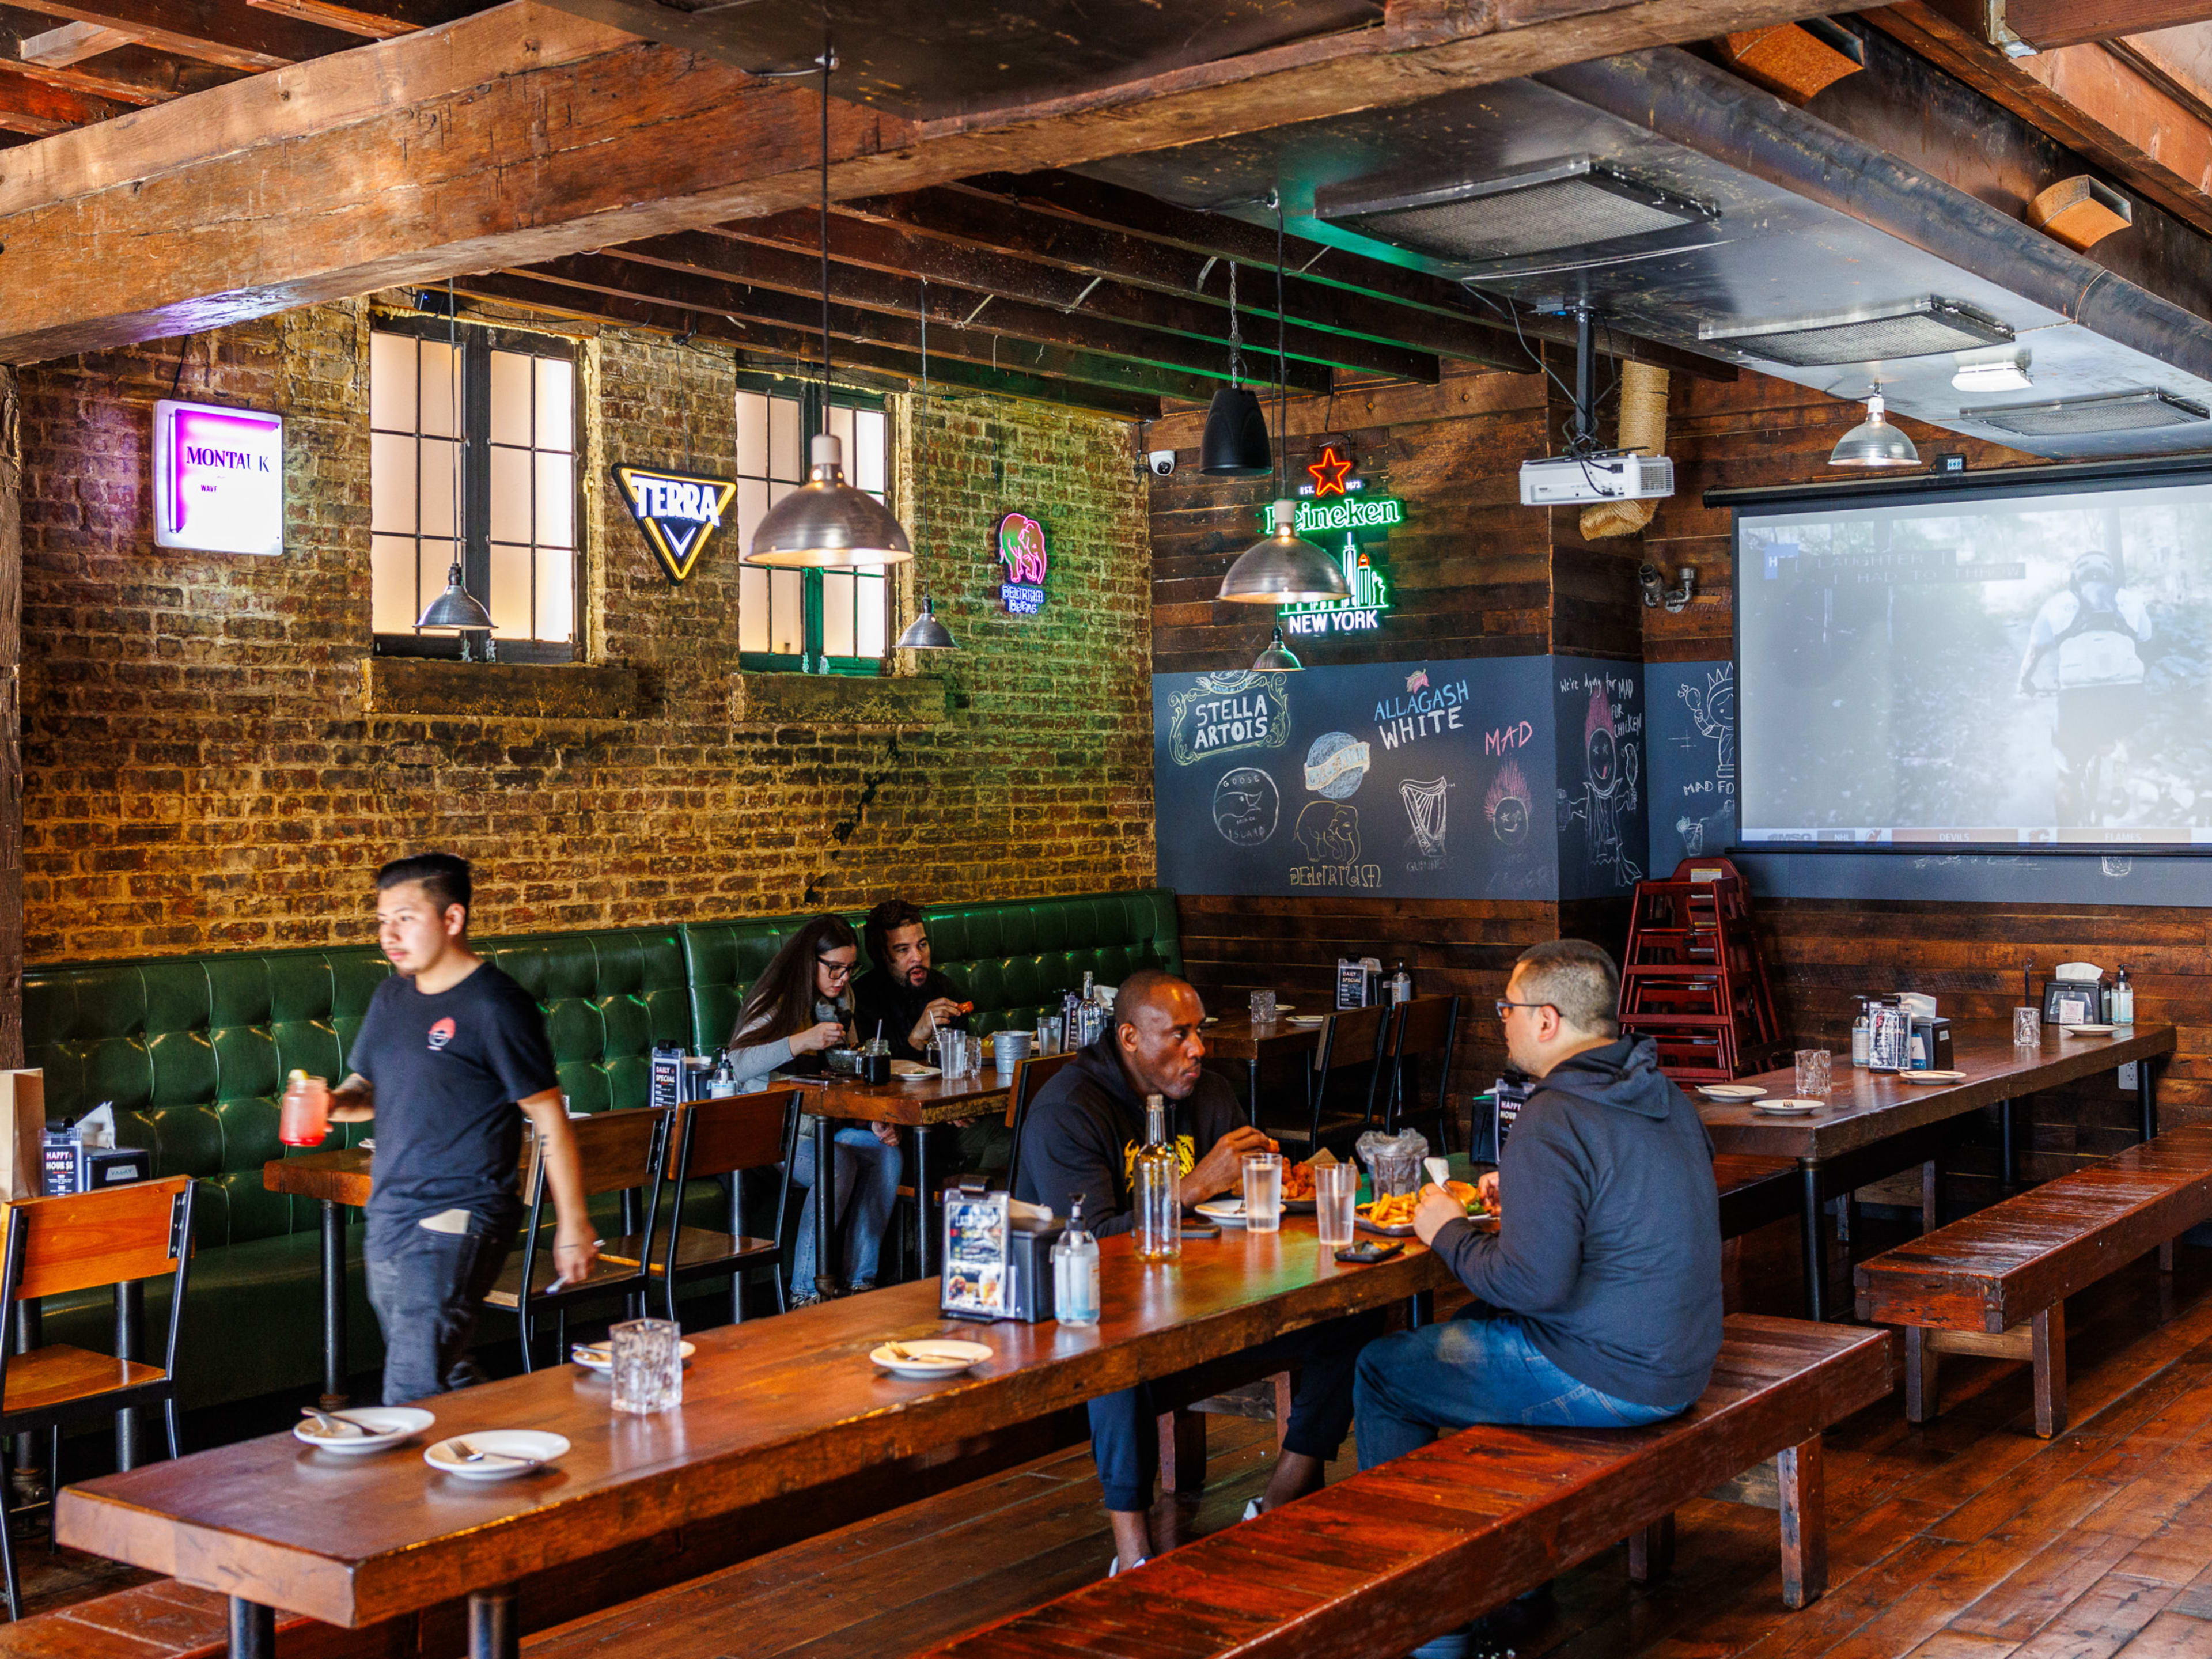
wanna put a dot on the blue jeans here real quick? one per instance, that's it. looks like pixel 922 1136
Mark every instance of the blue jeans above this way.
pixel 427 1289
pixel 867 1176
pixel 1468 1370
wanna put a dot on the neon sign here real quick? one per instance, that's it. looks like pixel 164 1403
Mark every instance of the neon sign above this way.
pixel 1021 549
pixel 1329 472
pixel 218 479
pixel 1346 518
pixel 678 513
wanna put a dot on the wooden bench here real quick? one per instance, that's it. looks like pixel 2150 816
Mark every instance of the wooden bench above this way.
pixel 1997 1282
pixel 1377 1564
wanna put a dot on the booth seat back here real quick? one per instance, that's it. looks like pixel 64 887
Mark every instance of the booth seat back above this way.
pixel 193 1050
pixel 1014 960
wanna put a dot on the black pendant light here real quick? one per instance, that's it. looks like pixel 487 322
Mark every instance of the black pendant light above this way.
pixel 1236 442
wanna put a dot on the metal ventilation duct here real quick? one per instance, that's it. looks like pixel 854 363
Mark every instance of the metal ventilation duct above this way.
pixel 2125 411
pixel 1920 329
pixel 1569 203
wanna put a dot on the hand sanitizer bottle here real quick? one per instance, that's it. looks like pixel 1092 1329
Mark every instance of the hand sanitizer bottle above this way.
pixel 1075 1272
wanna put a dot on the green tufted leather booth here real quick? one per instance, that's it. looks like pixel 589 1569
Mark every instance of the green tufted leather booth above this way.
pixel 193 1051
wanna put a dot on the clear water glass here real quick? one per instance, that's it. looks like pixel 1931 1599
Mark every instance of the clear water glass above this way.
pixel 1814 1071
pixel 1008 1050
pixel 1263 1008
pixel 2028 1027
pixel 1263 1192
pixel 1336 1191
pixel 648 1364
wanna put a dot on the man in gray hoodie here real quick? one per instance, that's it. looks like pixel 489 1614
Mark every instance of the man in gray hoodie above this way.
pixel 1598 1300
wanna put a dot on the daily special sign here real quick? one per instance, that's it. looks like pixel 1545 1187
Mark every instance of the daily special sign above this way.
pixel 218 479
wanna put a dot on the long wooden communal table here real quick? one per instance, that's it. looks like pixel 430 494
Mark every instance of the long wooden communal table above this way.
pixel 1235 1037
pixel 1875 1125
pixel 770 1406
pixel 336 1179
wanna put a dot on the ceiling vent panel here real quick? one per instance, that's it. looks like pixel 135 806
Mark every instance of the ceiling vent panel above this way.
pixel 1921 329
pixel 2124 412
pixel 1569 205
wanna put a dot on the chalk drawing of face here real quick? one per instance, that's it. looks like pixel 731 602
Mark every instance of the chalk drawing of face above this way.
pixel 1507 803
pixel 1246 806
pixel 1329 834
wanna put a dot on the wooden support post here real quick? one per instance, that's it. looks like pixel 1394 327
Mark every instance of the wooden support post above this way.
pixel 1285 1389
pixel 2049 1327
pixel 1182 1452
pixel 11 738
pixel 1804 1524
pixel 1931 1195
pixel 2166 1257
pixel 1651 1550
pixel 1920 1399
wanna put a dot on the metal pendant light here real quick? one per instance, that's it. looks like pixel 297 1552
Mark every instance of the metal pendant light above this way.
pixel 456 607
pixel 1282 567
pixel 1234 444
pixel 826 523
pixel 1278 658
pixel 1874 442
pixel 925 632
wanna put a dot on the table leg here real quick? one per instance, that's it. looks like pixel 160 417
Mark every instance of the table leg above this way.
pixel 825 1206
pixel 130 1318
pixel 2005 1147
pixel 2147 1096
pixel 495 1626
pixel 334 1306
pixel 1814 1243
pixel 252 1630
pixel 925 1203
pixel 1252 1094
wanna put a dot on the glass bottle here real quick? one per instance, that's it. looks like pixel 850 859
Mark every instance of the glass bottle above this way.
pixel 1089 995
pixel 1401 984
pixel 1075 1272
pixel 1861 1031
pixel 2123 1000
pixel 1159 1189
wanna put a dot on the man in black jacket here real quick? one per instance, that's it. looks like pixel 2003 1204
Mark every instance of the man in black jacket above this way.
pixel 904 997
pixel 1081 1141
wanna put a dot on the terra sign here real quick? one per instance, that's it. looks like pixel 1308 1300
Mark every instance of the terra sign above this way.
pixel 677 512
pixel 218 479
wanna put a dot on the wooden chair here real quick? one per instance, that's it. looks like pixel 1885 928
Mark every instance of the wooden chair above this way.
pixel 1350 1039
pixel 75 1241
pixel 619 1152
pixel 723 1138
pixel 1030 1078
pixel 1426 1026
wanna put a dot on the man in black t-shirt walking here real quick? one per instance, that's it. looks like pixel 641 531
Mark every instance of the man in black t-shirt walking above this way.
pixel 450 1058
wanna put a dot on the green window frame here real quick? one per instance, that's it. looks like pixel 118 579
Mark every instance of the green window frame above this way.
pixel 808 622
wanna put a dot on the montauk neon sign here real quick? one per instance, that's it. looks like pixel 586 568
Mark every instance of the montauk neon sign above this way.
pixel 218 479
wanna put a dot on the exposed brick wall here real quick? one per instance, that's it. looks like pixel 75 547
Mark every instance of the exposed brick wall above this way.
pixel 11 748
pixel 203 770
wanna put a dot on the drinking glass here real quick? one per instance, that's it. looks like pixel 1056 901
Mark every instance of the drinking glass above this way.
pixel 1814 1071
pixel 1263 1008
pixel 1008 1050
pixel 2028 1027
pixel 973 1050
pixel 1336 1190
pixel 1263 1192
pixel 648 1364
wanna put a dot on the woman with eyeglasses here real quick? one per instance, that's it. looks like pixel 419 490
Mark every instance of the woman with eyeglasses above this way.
pixel 801 1005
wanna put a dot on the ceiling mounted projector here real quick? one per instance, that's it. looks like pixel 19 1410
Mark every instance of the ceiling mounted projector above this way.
pixel 1610 475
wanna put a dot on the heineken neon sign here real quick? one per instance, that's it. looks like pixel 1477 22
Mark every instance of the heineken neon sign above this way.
pixel 1338 514
pixel 1371 513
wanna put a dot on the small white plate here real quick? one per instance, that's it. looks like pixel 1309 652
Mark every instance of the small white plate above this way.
pixel 1229 1212
pixel 1931 1076
pixel 1730 1091
pixel 1309 1020
pixel 2086 1030
pixel 599 1356
pixel 367 1144
pixel 1790 1108
pixel 912 1068
pixel 932 1356
pixel 385 1425
pixel 1210 1019
pixel 508 1453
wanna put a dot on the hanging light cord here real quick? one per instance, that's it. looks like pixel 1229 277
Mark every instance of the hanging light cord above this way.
pixel 920 498
pixel 826 61
pixel 1282 395
pixel 1236 338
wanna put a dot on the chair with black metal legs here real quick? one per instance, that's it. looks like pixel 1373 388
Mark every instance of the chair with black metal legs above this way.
pixel 622 1152
pixel 1030 1078
pixel 723 1138
pixel 75 1241
pixel 1347 1072
pixel 1422 1031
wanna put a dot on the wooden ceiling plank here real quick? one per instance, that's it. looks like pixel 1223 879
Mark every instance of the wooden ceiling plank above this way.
pixel 130 75
pixel 749 303
pixel 791 271
pixel 37 107
pixel 377 19
pixel 534 163
pixel 880 245
pixel 792 349
pixel 72 43
pixel 2048 24
pixel 237 36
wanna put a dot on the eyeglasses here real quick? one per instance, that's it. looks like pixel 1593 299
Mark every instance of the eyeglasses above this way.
pixel 1502 1006
pixel 836 969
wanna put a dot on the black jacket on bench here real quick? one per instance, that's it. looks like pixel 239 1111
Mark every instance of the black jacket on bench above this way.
pixel 1610 1246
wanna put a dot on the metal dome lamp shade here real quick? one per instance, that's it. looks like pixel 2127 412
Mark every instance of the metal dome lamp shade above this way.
pixel 456 607
pixel 925 632
pixel 1874 442
pixel 1278 658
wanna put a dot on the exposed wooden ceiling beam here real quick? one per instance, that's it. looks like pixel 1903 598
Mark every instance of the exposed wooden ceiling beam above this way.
pixel 797 270
pixel 237 36
pixel 71 43
pixel 372 19
pixel 130 75
pixel 538 162
pixel 1115 210
pixel 37 107
pixel 878 245
pixel 746 303
pixel 796 349
pixel 2046 24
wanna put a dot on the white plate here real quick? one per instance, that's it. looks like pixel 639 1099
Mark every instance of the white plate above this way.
pixel 1309 1020
pixel 1790 1108
pixel 389 1426
pixel 931 1357
pixel 1210 1019
pixel 1730 1091
pixel 912 1068
pixel 367 1144
pixel 2086 1030
pixel 1229 1212
pixel 1931 1076
pixel 519 1452
pixel 598 1356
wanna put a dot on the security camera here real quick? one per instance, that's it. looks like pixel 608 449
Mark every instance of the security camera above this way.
pixel 1162 462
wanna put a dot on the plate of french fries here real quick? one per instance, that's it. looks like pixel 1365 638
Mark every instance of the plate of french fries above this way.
pixel 1393 1216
